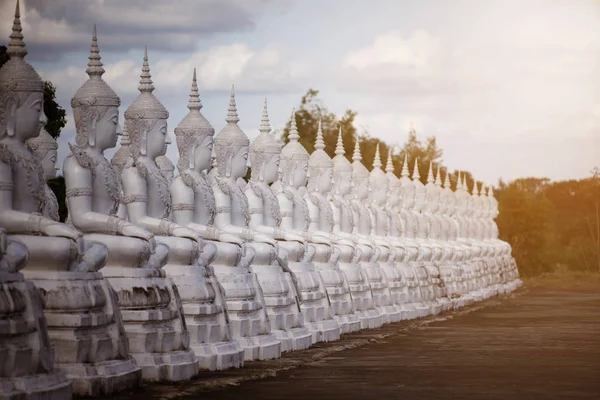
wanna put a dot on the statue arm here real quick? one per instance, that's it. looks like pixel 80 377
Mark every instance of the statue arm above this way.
pixel 184 203
pixel 78 181
pixel 286 210
pixel 136 198
pixel 223 216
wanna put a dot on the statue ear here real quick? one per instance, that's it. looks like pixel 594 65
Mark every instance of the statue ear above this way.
pixel 92 132
pixel 11 117
pixel 261 170
pixel 192 157
pixel 144 142
pixel 228 161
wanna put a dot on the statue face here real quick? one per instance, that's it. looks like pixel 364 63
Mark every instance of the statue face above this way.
pixel 325 180
pixel 49 164
pixel 362 188
pixel 203 154
pixel 408 197
pixel 442 206
pixel 239 163
pixel 380 195
pixel 271 169
pixel 157 140
pixel 343 183
pixel 108 129
pixel 300 174
pixel 393 197
pixel 29 119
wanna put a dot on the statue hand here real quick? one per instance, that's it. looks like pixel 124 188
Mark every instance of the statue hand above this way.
pixel 58 229
pixel 320 239
pixel 229 238
pixel 294 237
pixel 182 232
pixel 263 239
pixel 132 230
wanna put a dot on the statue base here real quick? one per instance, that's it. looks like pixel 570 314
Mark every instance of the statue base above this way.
pixel 24 345
pixel 152 317
pixel 396 287
pixel 314 303
pixel 338 292
pixel 204 310
pixel 362 298
pixel 382 298
pixel 85 327
pixel 248 320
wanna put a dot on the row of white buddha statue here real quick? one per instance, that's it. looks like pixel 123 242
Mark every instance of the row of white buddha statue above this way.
pixel 155 276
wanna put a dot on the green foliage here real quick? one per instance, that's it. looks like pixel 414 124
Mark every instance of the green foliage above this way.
pixel 312 109
pixel 56 115
pixel 552 226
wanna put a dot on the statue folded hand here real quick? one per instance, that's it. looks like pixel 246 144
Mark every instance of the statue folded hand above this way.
pixel 229 238
pixel 264 239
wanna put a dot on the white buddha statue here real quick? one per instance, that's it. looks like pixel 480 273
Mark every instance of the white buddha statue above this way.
pixel 400 287
pixel 194 207
pixel 45 149
pixel 320 172
pixel 409 215
pixel 289 190
pixel 358 247
pixel 162 347
pixel 265 217
pixel 433 233
pixel 380 234
pixel 373 248
pixel 61 263
pixel 245 301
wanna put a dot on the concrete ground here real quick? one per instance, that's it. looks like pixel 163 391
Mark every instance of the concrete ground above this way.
pixel 534 344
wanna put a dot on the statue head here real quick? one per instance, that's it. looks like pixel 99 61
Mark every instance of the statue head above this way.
pixel 265 152
pixel 462 197
pixel 21 91
pixel 407 187
pixel 45 149
pixel 146 120
pixel 394 186
pixel 342 169
pixel 320 167
pixel 378 181
pixel 194 135
pixel 450 198
pixel 432 194
pixel 96 107
pixel 420 191
pixel 293 165
pixel 119 159
pixel 360 174
pixel 493 203
pixel 232 145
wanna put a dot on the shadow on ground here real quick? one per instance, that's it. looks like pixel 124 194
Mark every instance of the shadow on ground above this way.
pixel 535 344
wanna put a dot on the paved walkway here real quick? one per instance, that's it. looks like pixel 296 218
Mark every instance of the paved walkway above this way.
pixel 536 344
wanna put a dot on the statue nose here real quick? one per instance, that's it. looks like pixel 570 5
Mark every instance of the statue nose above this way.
pixel 119 130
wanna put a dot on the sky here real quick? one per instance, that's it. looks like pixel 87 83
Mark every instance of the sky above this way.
pixel 510 88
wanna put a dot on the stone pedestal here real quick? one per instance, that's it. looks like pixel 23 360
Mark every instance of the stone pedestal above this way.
pixel 154 322
pixel 248 319
pixel 338 290
pixel 27 369
pixel 281 302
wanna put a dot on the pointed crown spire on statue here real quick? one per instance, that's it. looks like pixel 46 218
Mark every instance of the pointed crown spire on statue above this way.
pixel 143 113
pixel 319 158
pixel 265 142
pixel 393 180
pixel 438 179
pixel 447 185
pixel 232 134
pixel 359 171
pixel 94 92
pixel 340 162
pixel 193 128
pixel 293 150
pixel 416 176
pixel 377 177
pixel 16 75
